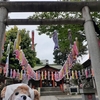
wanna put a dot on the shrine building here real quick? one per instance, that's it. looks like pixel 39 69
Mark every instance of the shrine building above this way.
pixel 47 72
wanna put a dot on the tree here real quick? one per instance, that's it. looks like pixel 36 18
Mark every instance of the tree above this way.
pixel 60 57
pixel 64 43
pixel 38 61
pixel 77 67
pixel 25 46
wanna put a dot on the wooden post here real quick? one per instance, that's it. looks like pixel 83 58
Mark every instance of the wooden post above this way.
pixel 40 80
pixel 93 46
pixel 3 16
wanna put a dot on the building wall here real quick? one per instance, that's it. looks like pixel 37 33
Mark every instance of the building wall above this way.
pixel 44 62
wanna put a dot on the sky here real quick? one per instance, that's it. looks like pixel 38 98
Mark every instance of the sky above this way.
pixel 45 45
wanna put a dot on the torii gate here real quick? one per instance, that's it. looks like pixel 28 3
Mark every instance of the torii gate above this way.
pixel 84 7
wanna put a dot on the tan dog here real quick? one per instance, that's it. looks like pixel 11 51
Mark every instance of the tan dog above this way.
pixel 19 92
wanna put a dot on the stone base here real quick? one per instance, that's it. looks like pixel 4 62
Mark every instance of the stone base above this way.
pixel 88 94
pixel 85 91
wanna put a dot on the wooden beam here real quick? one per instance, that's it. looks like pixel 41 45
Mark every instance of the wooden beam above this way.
pixel 49 6
pixel 43 21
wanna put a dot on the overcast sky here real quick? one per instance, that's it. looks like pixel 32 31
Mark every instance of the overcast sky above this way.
pixel 45 45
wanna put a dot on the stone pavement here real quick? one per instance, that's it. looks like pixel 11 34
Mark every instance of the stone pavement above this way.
pixel 48 98
pixel 63 97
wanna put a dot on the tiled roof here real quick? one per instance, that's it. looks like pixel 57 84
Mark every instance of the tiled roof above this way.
pixel 51 65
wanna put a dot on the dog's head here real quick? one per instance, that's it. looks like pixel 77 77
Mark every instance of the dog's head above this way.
pixel 22 92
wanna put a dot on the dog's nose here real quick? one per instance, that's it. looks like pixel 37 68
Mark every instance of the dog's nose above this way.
pixel 24 97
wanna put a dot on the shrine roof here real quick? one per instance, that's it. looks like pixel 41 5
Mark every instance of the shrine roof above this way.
pixel 87 63
pixel 37 67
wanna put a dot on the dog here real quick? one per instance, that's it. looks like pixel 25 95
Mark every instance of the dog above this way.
pixel 19 92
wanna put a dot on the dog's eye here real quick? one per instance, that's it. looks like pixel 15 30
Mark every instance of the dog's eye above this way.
pixel 28 95
pixel 16 93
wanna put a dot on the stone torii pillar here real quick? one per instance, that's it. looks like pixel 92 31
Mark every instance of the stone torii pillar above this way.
pixel 93 46
pixel 3 16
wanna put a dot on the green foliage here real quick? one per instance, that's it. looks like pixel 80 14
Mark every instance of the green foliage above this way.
pixel 77 67
pixel 38 61
pixel 64 43
pixel 25 46
pixel 60 57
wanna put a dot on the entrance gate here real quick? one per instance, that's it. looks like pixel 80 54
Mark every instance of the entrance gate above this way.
pixel 84 7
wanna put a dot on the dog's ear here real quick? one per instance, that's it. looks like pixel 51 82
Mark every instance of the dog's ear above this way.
pixel 3 92
pixel 36 95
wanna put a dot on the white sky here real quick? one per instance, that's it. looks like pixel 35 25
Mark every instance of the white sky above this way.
pixel 45 45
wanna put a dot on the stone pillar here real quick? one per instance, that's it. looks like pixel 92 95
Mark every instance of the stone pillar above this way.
pixel 3 16
pixel 93 46
pixel 88 94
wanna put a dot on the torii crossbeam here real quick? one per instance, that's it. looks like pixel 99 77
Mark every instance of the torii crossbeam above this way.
pixel 43 6
pixel 48 6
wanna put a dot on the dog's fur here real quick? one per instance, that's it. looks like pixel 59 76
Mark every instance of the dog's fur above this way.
pixel 22 93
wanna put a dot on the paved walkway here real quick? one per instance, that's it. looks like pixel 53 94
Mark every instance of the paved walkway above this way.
pixel 69 97
pixel 60 97
pixel 63 97
pixel 48 98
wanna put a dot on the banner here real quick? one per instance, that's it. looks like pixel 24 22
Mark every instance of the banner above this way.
pixel 48 75
pixel 55 39
pixel 14 74
pixel 45 75
pixel 32 40
pixel 75 48
pixel 76 76
pixel 57 76
pixel 52 78
pixel 10 73
pixel 18 41
pixel 42 76
pixel 6 71
pixel 70 37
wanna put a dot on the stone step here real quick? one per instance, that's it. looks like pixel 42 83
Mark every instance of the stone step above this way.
pixel 50 89
pixel 48 93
